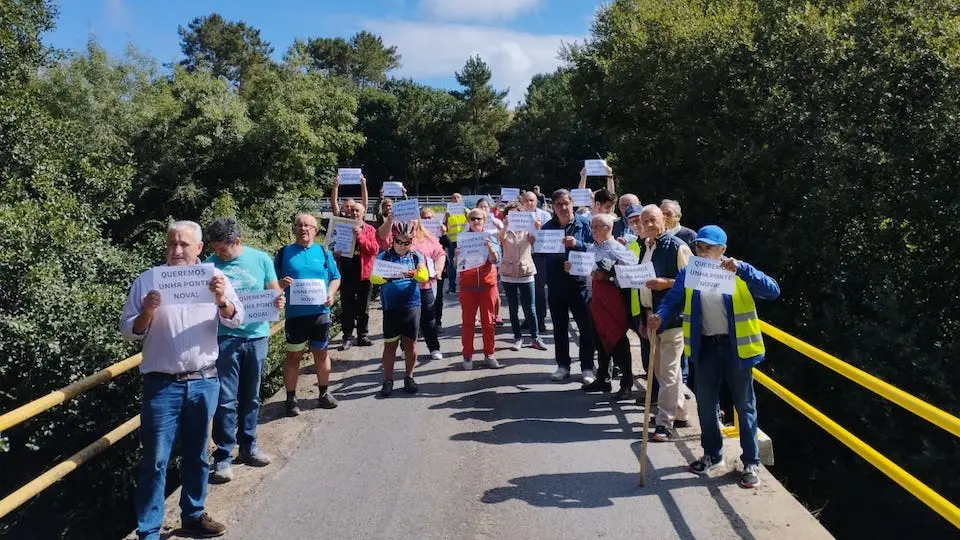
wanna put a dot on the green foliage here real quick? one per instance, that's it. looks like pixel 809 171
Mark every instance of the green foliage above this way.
pixel 364 58
pixel 232 50
pixel 481 117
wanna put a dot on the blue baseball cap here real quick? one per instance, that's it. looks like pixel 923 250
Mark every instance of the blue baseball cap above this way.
pixel 632 210
pixel 713 235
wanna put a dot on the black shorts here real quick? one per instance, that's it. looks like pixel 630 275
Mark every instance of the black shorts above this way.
pixel 308 330
pixel 401 322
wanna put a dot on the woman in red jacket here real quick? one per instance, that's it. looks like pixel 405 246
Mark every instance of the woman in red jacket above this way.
pixel 478 286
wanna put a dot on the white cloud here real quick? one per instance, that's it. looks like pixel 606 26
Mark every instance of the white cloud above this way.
pixel 483 10
pixel 438 50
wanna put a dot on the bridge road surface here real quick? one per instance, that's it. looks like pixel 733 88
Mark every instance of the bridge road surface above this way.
pixel 495 454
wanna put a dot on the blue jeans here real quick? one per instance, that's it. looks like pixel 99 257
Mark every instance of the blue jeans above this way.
pixel 239 366
pixel 525 291
pixel 169 409
pixel 564 301
pixel 715 363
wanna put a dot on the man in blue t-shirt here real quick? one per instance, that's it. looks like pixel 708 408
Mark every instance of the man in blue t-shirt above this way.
pixel 307 325
pixel 243 350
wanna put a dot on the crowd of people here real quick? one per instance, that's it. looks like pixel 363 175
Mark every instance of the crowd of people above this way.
pixel 202 362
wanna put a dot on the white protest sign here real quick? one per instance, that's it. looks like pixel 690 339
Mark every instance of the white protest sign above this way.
pixel 520 221
pixel 581 197
pixel 343 239
pixel 258 306
pixel 188 284
pixel 582 263
pixel 549 241
pixel 455 208
pixel 508 194
pixel 308 292
pixel 393 189
pixel 389 270
pixel 595 167
pixel 431 268
pixel 705 275
pixel 432 225
pixel 407 210
pixel 349 177
pixel 634 276
pixel 473 250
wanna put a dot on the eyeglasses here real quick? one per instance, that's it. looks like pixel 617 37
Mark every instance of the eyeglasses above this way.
pixel 401 242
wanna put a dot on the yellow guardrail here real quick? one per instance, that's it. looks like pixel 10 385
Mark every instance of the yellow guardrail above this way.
pixel 21 414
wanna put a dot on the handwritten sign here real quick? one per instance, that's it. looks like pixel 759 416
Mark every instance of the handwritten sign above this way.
pixel 581 263
pixel 581 197
pixel 331 232
pixel 258 306
pixel 508 194
pixel 432 226
pixel 389 270
pixel 349 177
pixel 520 222
pixel 634 276
pixel 595 167
pixel 407 210
pixel 344 240
pixel 308 292
pixel 431 268
pixel 188 284
pixel 473 250
pixel 549 241
pixel 705 275
pixel 393 189
pixel 456 209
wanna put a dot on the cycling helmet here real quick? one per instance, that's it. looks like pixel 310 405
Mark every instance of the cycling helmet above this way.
pixel 404 229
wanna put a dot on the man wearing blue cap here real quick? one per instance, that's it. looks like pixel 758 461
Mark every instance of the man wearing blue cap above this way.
pixel 721 335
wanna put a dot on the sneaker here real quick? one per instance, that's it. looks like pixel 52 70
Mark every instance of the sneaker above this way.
pixel 257 458
pixel 661 434
pixel 293 408
pixel 517 345
pixel 327 401
pixel 346 344
pixel 436 355
pixel 560 374
pixel 588 376
pixel 386 389
pixel 467 364
pixel 491 362
pixel 539 345
pixel 615 373
pixel 706 464
pixel 597 386
pixel 221 473
pixel 364 341
pixel 410 385
pixel 203 527
pixel 750 477
pixel 498 321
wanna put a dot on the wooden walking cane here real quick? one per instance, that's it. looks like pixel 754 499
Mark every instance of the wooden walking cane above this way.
pixel 646 409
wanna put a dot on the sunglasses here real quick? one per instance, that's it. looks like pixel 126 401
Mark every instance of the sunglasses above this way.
pixel 401 242
pixel 475 218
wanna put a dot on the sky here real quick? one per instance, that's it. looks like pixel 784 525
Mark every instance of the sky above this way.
pixel 517 38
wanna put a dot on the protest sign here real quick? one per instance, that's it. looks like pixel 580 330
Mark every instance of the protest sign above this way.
pixel 705 275
pixel 581 197
pixel 258 306
pixel 431 268
pixel 406 210
pixel 509 194
pixel 344 239
pixel 473 250
pixel 456 209
pixel 393 189
pixel 521 222
pixel 189 284
pixel 349 177
pixel 432 225
pixel 634 276
pixel 595 167
pixel 308 292
pixel 582 263
pixel 550 241
pixel 389 270
pixel 331 231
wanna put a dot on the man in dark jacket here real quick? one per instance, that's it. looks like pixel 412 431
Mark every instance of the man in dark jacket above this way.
pixel 671 217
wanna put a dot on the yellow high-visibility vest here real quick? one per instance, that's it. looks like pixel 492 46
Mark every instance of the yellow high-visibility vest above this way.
pixel 635 293
pixel 746 322
pixel 455 224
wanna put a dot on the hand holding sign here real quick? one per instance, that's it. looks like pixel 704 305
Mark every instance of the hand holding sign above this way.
pixel 508 194
pixel 581 197
pixel 308 292
pixel 393 189
pixel 349 177
pixel 388 270
pixel 260 306
pixel 520 221
pixel 188 284
pixel 549 241
pixel 634 276
pixel 581 263
pixel 407 210
pixel 595 167
pixel 456 209
pixel 708 275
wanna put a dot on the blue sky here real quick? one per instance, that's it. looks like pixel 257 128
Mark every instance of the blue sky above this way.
pixel 518 38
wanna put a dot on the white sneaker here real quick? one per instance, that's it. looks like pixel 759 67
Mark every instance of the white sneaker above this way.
pixel 491 362
pixel 560 374
pixel 467 364
pixel 588 377
pixel 517 345
pixel 436 355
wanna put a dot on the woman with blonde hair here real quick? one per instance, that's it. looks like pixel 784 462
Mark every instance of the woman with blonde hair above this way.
pixel 517 273
pixel 478 289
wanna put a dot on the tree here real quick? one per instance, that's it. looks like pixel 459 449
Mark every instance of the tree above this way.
pixel 363 59
pixel 372 60
pixel 481 117
pixel 232 50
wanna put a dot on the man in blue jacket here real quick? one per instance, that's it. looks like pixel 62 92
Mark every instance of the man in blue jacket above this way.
pixel 722 338
pixel 568 294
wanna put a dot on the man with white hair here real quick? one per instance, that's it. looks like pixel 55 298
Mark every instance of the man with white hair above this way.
pixel 621 230
pixel 671 217
pixel 180 383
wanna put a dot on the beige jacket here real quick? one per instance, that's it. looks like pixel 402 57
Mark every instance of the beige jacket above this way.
pixel 517 255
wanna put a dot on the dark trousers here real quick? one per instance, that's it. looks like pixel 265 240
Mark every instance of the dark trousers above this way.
pixel 540 292
pixel 438 304
pixel 355 298
pixel 571 300
pixel 428 321
pixel 621 358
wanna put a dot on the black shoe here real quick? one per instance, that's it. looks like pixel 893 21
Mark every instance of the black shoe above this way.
pixel 364 341
pixel 597 386
pixel 543 329
pixel 386 389
pixel 203 527
pixel 625 392
pixel 681 423
pixel 327 401
pixel 661 434
pixel 293 408
pixel 410 385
